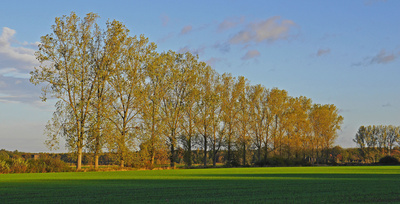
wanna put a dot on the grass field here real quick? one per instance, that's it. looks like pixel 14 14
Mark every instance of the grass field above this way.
pixel 238 185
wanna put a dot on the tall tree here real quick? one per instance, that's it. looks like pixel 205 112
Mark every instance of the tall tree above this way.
pixel 229 112
pixel 155 90
pixel 66 66
pixel 278 104
pixel 204 107
pixel 216 133
pixel 258 116
pixel 326 121
pixel 181 74
pixel 297 124
pixel 127 82
pixel 242 126
pixel 188 124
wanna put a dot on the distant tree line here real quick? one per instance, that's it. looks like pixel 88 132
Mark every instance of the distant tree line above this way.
pixel 376 141
pixel 117 94
pixel 22 162
pixel 19 162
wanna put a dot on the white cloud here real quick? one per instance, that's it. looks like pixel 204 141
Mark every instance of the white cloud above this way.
pixel 186 29
pixel 16 61
pixel 269 30
pixel 251 54
pixel 20 58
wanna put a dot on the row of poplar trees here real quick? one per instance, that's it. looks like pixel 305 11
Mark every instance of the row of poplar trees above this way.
pixel 116 93
pixel 376 141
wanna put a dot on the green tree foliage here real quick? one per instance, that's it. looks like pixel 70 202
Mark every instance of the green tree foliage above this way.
pixel 376 141
pixel 117 94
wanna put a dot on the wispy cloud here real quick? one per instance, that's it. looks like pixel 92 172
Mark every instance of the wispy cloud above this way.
pixel 14 90
pixel 383 57
pixel 251 54
pixel 186 29
pixel 213 60
pixel 386 105
pixel 321 52
pixel 222 47
pixel 270 30
pixel 198 51
pixel 164 19
pixel 230 23
pixel 166 38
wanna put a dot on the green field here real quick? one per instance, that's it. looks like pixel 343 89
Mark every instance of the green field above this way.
pixel 238 185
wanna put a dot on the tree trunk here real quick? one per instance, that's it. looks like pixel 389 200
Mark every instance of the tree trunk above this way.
pixel 172 158
pixel 96 161
pixel 79 162
pixel 229 151
pixel 152 155
pixel 266 153
pixel 189 153
pixel 244 154
pixel 214 158
pixel 205 152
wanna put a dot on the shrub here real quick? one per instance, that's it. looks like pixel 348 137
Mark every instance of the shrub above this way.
pixel 18 165
pixel 388 160
pixel 4 156
pixel 48 164
pixel 4 167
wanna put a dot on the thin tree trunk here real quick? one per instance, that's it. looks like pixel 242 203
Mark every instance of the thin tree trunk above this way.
pixel 244 154
pixel 172 158
pixel 189 152
pixel 205 151
pixel 79 162
pixel 214 157
pixel 229 151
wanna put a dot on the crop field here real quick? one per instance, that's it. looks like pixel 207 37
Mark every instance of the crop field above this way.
pixel 237 185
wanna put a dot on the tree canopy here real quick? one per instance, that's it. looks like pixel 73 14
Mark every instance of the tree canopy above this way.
pixel 116 93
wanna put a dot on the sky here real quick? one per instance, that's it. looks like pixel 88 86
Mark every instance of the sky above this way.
pixel 340 52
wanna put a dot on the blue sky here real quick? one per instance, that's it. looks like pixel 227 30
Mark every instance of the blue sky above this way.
pixel 334 52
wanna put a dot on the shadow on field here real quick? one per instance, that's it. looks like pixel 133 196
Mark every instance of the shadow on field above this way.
pixel 211 188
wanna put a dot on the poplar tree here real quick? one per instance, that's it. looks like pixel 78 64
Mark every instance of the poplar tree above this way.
pixel 66 68
pixel 258 117
pixel 204 107
pixel 156 79
pixel 243 119
pixel 229 113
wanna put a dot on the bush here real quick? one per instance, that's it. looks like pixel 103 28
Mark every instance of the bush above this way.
pixel 4 156
pixel 18 165
pixel 48 164
pixel 4 167
pixel 388 160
